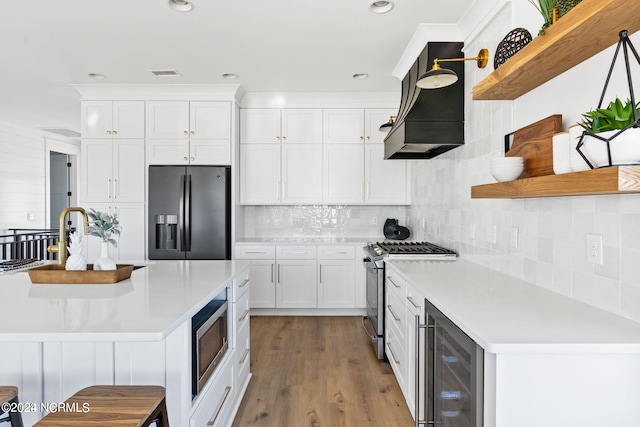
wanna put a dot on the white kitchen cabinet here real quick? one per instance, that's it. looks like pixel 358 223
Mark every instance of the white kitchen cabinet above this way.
pixel 183 132
pixel 385 180
pixel 296 283
pixel 112 170
pixel 343 125
pixel 336 277
pixel 260 174
pixel 301 170
pixel 293 125
pixel 112 119
pixel 131 242
pixel 343 173
pixel 396 330
pixel 263 264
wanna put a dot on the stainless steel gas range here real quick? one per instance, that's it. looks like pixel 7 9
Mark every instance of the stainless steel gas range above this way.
pixel 376 253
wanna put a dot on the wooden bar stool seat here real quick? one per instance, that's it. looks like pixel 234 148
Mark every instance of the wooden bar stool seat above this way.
pixel 9 394
pixel 111 405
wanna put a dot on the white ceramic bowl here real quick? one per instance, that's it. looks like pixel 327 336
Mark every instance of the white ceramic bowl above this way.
pixel 504 161
pixel 504 173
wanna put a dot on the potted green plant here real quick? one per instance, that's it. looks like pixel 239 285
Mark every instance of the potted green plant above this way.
pixel 104 226
pixel 612 134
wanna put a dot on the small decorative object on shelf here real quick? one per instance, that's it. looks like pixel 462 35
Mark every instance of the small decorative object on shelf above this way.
pixel 104 226
pixel 76 260
pixel 612 135
pixel 514 41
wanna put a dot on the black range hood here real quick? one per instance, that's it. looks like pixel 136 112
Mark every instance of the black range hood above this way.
pixel 430 121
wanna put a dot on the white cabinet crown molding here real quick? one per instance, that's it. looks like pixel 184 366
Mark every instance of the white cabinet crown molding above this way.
pixel 322 100
pixel 148 92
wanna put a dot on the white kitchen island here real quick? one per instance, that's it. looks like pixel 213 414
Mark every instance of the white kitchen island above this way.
pixel 548 360
pixel 57 339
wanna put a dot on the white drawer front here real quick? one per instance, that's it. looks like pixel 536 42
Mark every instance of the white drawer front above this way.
pixel 217 400
pixel 336 252
pixel 240 286
pixel 395 284
pixel 255 252
pixel 243 358
pixel 241 315
pixel 296 252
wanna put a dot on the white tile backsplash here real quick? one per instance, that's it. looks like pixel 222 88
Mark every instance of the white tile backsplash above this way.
pixel 551 251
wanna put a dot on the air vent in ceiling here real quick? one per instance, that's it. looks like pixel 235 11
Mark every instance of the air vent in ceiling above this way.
pixel 64 132
pixel 166 73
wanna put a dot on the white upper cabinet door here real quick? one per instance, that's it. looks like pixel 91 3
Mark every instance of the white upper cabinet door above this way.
pixel 260 174
pixel 373 118
pixel 128 119
pixel 209 152
pixel 128 170
pixel 112 119
pixel 260 126
pixel 302 126
pixel 301 173
pixel 168 119
pixel 343 173
pixel 385 180
pixel 97 119
pixel 210 120
pixel 343 125
pixel 97 172
pixel 167 152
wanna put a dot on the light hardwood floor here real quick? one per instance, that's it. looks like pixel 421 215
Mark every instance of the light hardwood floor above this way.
pixel 318 372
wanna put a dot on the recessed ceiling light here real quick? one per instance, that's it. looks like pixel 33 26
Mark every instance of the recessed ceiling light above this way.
pixel 230 76
pixel 360 76
pixel 97 76
pixel 380 6
pixel 181 5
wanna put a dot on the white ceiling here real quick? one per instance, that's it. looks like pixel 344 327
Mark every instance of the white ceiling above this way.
pixel 277 46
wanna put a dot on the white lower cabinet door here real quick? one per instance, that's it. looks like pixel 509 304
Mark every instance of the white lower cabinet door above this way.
pixel 216 401
pixel 263 286
pixel 296 284
pixel 336 284
pixel 131 242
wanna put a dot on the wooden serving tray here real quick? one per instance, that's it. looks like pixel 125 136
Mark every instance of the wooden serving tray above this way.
pixel 55 273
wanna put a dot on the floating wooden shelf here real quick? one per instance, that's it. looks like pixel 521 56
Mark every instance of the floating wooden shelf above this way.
pixel 588 28
pixel 611 180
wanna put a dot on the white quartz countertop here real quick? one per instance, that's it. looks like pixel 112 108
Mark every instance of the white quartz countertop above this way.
pixel 146 307
pixel 507 315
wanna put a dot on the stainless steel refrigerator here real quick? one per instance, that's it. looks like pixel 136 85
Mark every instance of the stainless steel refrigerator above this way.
pixel 189 212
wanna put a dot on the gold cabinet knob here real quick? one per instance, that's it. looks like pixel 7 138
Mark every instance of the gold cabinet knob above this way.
pixel 108 132
pixel 192 133
pixel 368 137
pixel 278 138
pixel 185 158
pixel 284 138
pixel 186 133
pixel 361 138
pixel 193 158
pixel 115 132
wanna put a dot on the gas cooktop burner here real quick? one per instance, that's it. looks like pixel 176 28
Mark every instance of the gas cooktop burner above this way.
pixel 409 249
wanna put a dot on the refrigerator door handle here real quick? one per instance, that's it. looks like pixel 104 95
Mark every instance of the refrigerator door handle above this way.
pixel 187 214
pixel 181 228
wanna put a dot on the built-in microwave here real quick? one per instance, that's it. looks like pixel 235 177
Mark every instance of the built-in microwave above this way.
pixel 209 340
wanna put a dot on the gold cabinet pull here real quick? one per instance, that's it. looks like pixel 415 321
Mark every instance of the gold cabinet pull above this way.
pixel 244 283
pixel 278 138
pixel 213 420
pixel 393 283
pixel 271 273
pixel 115 132
pixel 109 188
pixel 244 356
pixel 193 158
pixel 244 315
pixel 395 359
pixel 411 300
pixel 115 188
pixel 284 138
pixel 108 132
pixel 185 159
pixel 396 318
pixel 368 137
pixel 361 138
pixel 186 133
pixel 192 132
